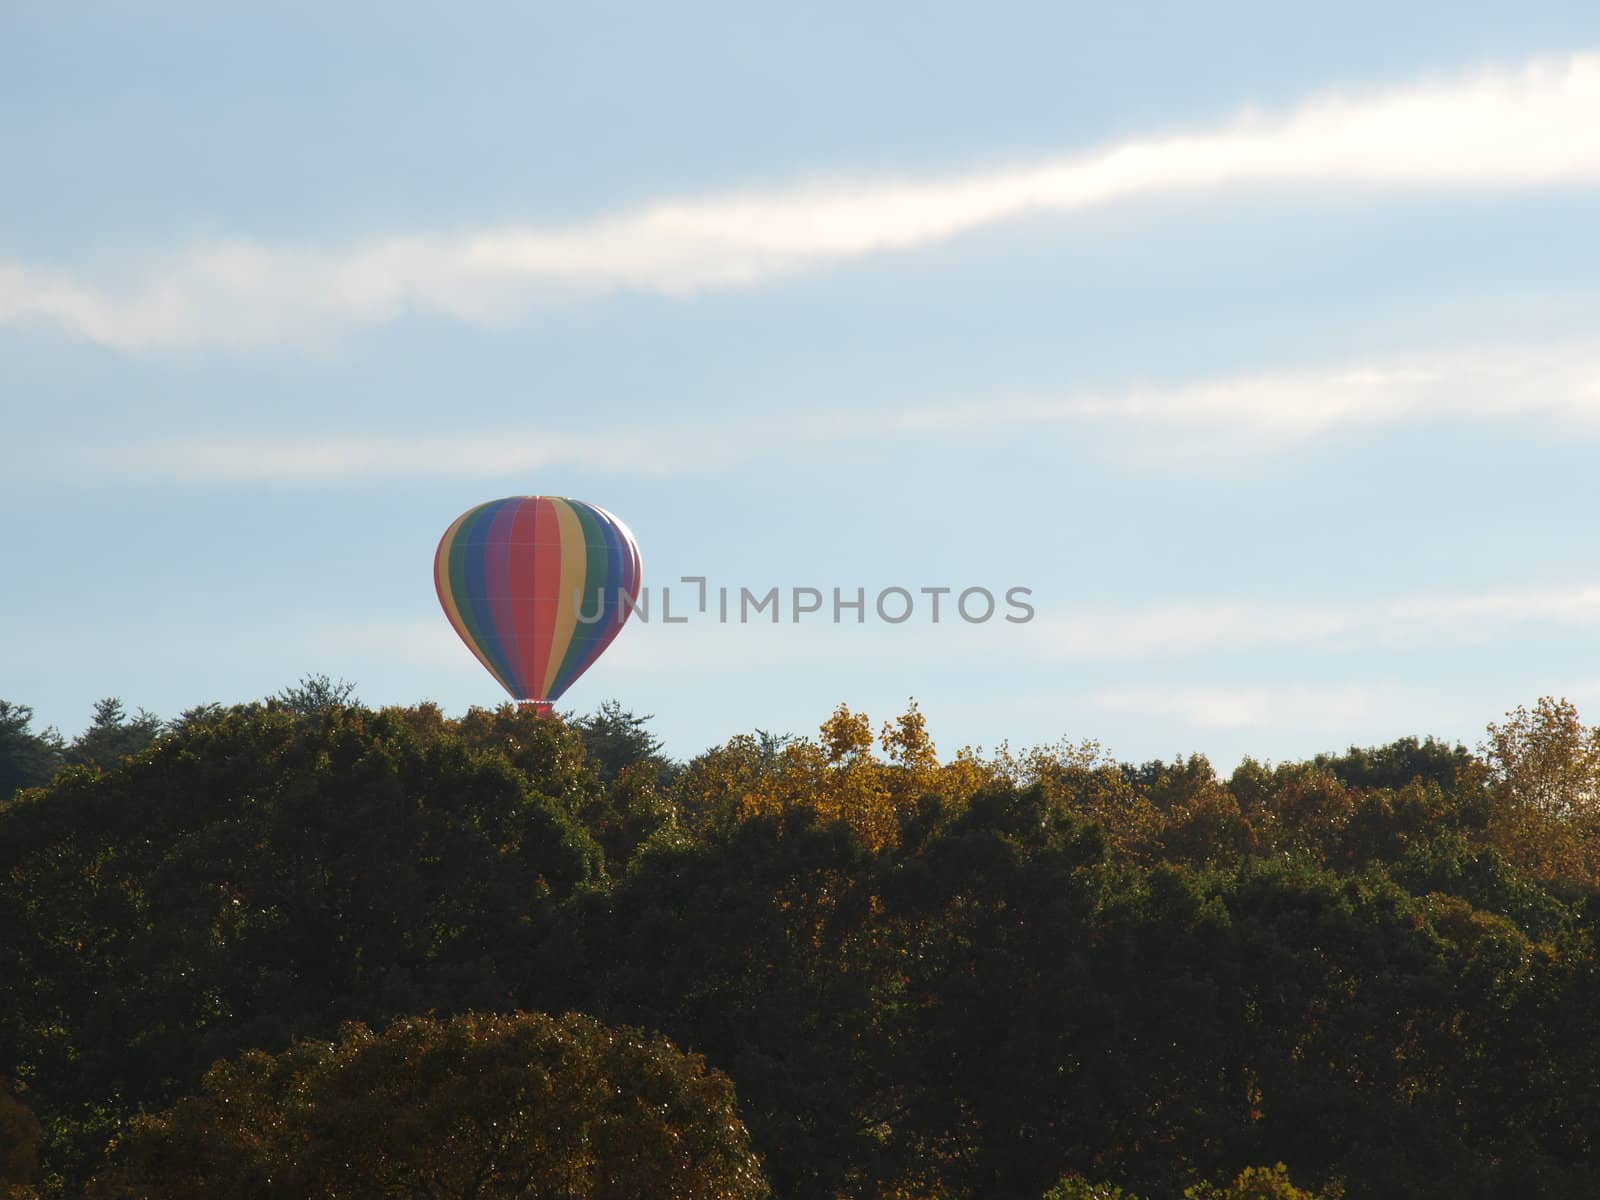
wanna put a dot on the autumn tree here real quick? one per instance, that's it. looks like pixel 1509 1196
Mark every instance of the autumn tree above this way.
pixel 1545 771
pixel 838 775
pixel 1084 779
pixel 1253 1183
pixel 478 1107
pixel 1261 1183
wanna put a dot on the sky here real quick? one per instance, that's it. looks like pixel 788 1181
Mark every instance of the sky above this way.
pixel 1259 344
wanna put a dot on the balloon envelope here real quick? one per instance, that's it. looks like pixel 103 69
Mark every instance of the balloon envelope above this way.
pixel 537 587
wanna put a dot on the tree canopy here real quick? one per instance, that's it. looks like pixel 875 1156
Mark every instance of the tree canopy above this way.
pixel 476 1107
pixel 911 976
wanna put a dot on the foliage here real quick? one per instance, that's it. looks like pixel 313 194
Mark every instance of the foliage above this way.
pixel 20 1136
pixel 977 976
pixel 1544 768
pixel 264 877
pixel 1076 1187
pixel 1253 1183
pixel 112 736
pixel 1260 1183
pixel 1407 760
pixel 616 739
pixel 838 776
pixel 27 759
pixel 315 694
pixel 478 1107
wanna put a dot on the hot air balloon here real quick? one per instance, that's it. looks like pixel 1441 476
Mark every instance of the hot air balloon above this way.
pixel 537 587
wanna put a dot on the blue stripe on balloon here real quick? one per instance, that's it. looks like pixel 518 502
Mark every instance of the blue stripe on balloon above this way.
pixel 602 631
pixel 478 548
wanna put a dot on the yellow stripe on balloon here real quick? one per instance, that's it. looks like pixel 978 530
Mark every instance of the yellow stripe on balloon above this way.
pixel 574 568
pixel 441 580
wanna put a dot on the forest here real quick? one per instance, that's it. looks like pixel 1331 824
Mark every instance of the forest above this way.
pixel 304 947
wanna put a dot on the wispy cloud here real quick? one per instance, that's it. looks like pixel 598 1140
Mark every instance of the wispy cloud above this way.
pixel 1533 125
pixel 1343 707
pixel 1407 622
pixel 1246 413
pixel 238 458
pixel 1220 418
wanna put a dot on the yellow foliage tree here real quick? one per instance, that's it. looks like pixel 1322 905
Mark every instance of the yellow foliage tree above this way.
pixel 838 775
pixel 1545 771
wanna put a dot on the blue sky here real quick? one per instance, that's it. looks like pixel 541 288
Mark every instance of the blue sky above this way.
pixel 1260 345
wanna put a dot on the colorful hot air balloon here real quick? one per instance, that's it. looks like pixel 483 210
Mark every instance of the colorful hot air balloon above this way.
pixel 537 587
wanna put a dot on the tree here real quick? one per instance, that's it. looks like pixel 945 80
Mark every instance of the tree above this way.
pixel 629 816
pixel 1399 763
pixel 477 1107
pixel 263 877
pixel 1076 1187
pixel 954 980
pixel 1545 770
pixel 741 946
pixel 198 714
pixel 837 776
pixel 1260 1183
pixel 113 736
pixel 617 739
pixel 316 694
pixel 20 1135
pixel 27 759
pixel 539 744
pixel 1546 760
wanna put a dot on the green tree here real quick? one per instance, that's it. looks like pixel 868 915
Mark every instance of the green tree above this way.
pixel 542 746
pixel 263 877
pixel 113 736
pixel 473 1108
pixel 617 739
pixel 27 759
pixel 1401 762
pixel 631 815
pixel 315 694
pixel 745 947
pixel 197 714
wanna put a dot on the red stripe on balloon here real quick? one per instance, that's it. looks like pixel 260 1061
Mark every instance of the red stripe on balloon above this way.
pixel 523 574
pixel 539 618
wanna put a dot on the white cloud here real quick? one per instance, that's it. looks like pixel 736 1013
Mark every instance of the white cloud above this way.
pixel 1377 707
pixel 250 459
pixel 1187 630
pixel 1250 412
pixel 1209 419
pixel 1534 125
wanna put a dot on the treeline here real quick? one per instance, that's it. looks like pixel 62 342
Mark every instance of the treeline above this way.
pixel 306 948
